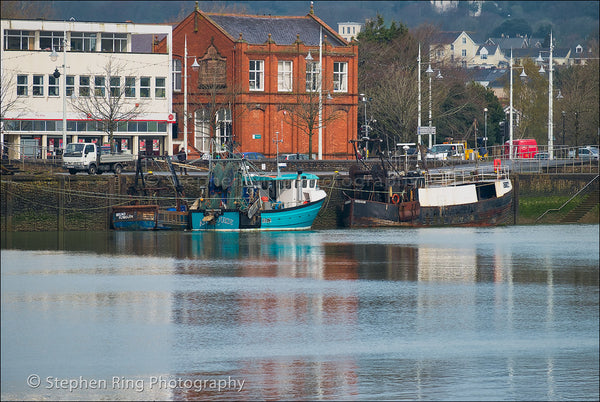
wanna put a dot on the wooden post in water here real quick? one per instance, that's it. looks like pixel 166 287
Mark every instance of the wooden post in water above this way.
pixel 109 199
pixel 60 215
pixel 515 199
pixel 9 204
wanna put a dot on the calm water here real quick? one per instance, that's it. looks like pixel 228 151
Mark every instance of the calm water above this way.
pixel 464 314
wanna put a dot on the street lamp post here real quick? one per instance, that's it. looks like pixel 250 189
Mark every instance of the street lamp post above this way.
pixel 550 84
pixel 63 82
pixel 485 110
pixel 563 113
pixel 429 72
pixel 195 66
pixel 510 124
pixel 419 105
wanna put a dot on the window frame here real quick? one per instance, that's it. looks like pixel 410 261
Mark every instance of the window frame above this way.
pixel 177 75
pixel 39 85
pixel 23 87
pixel 115 86
pixel 83 86
pixel 160 88
pixel 340 78
pixel 55 40
pixel 99 85
pixel 53 85
pixel 129 88
pixel 111 40
pixel 18 39
pixel 145 90
pixel 285 70
pixel 256 74
pixel 70 85
pixel 312 76
pixel 88 41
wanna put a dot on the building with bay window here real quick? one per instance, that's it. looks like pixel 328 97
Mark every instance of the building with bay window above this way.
pixel 51 69
pixel 262 84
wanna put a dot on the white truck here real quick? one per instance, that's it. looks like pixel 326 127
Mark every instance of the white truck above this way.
pixel 88 157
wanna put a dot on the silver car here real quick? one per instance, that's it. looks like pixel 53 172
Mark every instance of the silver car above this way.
pixel 585 153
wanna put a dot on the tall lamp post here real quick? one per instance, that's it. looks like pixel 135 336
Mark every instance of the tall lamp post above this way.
pixel 510 119
pixel 550 94
pixel 485 110
pixel 63 90
pixel 429 72
pixel 195 67
pixel 419 105
pixel 564 114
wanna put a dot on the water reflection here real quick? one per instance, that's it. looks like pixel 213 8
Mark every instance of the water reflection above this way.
pixel 498 313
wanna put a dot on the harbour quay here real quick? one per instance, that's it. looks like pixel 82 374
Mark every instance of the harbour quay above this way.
pixel 42 199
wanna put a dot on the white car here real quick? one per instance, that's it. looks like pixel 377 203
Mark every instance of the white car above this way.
pixel 444 152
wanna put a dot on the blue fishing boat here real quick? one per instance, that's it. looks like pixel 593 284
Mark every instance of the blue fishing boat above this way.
pixel 237 199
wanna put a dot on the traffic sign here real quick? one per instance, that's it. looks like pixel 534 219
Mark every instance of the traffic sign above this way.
pixel 426 130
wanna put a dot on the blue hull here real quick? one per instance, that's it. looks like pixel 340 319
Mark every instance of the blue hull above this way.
pixel 297 218
pixel 135 225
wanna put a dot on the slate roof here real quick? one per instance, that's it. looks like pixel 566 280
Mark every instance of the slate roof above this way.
pixel 493 77
pixel 509 43
pixel 283 30
pixel 491 49
pixel 535 52
pixel 447 37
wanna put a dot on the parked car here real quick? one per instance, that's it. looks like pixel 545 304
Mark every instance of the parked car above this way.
pixel 542 155
pixel 444 152
pixel 253 155
pixel 293 157
pixel 585 153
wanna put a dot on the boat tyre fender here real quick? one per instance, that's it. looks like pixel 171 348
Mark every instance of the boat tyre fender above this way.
pixel 395 198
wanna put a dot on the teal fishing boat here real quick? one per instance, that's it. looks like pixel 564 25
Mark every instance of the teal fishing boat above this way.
pixel 237 199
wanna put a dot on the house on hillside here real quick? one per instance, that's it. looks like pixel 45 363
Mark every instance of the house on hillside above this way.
pixel 452 49
pixel 488 56
pixel 580 56
pixel 254 74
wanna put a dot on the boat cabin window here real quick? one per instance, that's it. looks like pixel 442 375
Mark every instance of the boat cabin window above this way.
pixel 311 184
pixel 304 183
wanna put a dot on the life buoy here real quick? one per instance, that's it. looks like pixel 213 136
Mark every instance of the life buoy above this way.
pixel 395 198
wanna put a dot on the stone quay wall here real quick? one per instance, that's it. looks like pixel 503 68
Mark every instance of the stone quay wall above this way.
pixel 43 201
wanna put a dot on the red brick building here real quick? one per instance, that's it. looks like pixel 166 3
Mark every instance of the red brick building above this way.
pixel 257 81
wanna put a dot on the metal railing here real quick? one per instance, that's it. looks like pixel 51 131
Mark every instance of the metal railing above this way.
pixel 568 201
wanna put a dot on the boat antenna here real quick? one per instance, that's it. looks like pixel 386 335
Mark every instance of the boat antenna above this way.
pixel 277 141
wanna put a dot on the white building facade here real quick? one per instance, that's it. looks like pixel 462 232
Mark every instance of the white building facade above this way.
pixel 349 30
pixel 35 102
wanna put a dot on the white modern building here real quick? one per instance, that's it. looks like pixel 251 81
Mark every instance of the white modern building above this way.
pixel 50 69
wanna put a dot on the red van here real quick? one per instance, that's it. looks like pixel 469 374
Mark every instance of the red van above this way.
pixel 522 148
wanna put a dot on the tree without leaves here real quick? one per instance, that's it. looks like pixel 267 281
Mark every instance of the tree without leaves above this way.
pixel 304 114
pixel 213 100
pixel 107 103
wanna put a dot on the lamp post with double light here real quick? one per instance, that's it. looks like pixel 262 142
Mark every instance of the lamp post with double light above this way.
pixel 485 137
pixel 195 67
pixel 540 60
pixel 63 90
pixel 510 123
